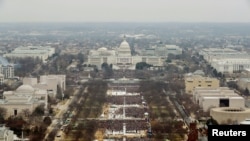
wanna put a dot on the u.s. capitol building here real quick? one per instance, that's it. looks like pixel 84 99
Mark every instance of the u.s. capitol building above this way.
pixel 121 57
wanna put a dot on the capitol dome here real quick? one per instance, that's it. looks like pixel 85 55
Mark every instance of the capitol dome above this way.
pixel 25 89
pixel 124 49
pixel 124 45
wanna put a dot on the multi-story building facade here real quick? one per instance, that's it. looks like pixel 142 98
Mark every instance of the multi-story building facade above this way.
pixel 7 71
pixel 49 83
pixel 6 68
pixel 40 52
pixel 162 50
pixel 230 65
pixel 222 53
pixel 226 60
pixel 208 98
pixel 194 81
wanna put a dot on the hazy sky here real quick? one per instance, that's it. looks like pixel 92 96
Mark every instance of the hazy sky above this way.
pixel 125 10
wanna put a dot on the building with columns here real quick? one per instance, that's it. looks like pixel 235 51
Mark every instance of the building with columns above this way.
pixel 231 65
pixel 121 57
pixel 40 52
pixel 226 60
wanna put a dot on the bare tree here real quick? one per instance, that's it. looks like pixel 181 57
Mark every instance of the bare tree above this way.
pixel 26 112
pixel 3 112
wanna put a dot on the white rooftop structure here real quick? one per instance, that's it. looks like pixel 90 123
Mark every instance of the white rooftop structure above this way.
pixel 231 65
pixel 216 97
pixel 162 50
pixel 102 51
pixel 25 97
pixel 231 115
pixel 216 53
pixel 47 82
pixel 226 60
pixel 41 52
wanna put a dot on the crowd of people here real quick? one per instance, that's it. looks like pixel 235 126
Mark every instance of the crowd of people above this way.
pixel 129 87
pixel 135 112
pixel 132 126
pixel 134 121
pixel 129 99
pixel 125 73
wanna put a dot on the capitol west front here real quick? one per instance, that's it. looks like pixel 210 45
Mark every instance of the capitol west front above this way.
pixel 121 57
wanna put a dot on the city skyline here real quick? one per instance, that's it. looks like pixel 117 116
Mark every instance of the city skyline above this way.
pixel 124 11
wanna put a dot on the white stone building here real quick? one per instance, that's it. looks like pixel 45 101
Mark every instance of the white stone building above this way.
pixel 6 134
pixel 47 82
pixel 222 53
pixel 231 65
pixel 217 97
pixel 41 52
pixel 24 98
pixel 229 115
pixel 7 71
pixel 162 50
pixel 120 57
pixel 226 60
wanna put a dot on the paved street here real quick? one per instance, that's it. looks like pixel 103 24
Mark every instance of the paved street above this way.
pixel 62 107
